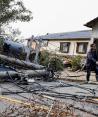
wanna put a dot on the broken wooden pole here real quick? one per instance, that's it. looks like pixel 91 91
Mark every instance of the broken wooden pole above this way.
pixel 22 63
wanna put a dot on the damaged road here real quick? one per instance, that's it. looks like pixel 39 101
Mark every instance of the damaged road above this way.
pixel 80 97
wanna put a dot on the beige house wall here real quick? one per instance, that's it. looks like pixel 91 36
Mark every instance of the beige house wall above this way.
pixel 54 47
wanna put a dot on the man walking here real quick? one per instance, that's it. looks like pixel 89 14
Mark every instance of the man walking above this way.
pixel 91 62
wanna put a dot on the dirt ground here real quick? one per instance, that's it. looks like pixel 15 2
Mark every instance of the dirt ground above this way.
pixel 76 76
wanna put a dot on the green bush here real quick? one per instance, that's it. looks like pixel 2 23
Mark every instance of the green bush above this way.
pixel 44 58
pixel 51 61
pixel 56 64
pixel 76 63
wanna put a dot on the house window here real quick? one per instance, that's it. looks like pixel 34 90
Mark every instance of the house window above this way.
pixel 82 47
pixel 64 47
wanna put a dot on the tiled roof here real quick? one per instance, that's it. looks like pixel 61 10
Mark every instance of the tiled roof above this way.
pixel 85 34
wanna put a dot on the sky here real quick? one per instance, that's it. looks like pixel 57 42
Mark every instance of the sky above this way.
pixel 56 16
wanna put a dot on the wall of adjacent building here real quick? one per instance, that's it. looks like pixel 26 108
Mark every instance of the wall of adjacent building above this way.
pixel 95 31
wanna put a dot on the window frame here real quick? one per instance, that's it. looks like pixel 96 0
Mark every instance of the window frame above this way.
pixel 62 46
pixel 84 44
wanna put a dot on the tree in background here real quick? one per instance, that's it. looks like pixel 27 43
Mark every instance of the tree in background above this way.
pixel 12 33
pixel 12 11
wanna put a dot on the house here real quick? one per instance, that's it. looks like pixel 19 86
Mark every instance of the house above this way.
pixel 93 24
pixel 68 43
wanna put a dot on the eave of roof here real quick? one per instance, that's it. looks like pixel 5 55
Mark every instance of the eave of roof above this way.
pixel 91 23
pixel 68 39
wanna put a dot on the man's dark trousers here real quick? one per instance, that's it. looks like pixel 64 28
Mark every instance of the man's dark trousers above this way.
pixel 92 68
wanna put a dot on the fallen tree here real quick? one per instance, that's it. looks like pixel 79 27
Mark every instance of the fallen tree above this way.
pixel 22 63
pixel 29 73
pixel 5 73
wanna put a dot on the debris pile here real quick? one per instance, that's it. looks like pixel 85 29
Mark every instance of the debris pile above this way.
pixel 33 99
pixel 32 109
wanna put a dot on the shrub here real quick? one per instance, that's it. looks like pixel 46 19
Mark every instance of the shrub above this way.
pixel 56 64
pixel 44 58
pixel 76 63
pixel 51 61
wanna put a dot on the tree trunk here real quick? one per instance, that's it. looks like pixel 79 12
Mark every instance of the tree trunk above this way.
pixel 32 73
pixel 6 73
pixel 22 63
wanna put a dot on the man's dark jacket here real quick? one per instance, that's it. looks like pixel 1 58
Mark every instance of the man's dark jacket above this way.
pixel 91 60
